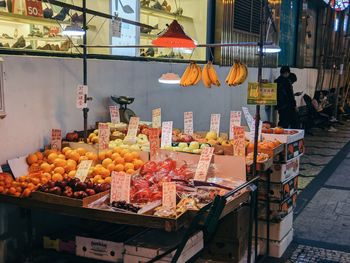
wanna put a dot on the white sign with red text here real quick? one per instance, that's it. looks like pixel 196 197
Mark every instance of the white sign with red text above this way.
pixel 235 120
pixel 215 123
pixel 167 134
pixel 103 136
pixel 115 116
pixel 56 139
pixel 157 118
pixel 203 164
pixel 188 122
pixel 82 92
pixel 120 187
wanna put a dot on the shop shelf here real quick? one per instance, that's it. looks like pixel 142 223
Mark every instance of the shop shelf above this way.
pixel 159 13
pixel 147 36
pixel 5 16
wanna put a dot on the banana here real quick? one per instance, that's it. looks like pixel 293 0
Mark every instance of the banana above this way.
pixel 233 76
pixel 199 75
pixel 242 78
pixel 185 75
pixel 213 75
pixel 193 75
pixel 205 77
pixel 229 74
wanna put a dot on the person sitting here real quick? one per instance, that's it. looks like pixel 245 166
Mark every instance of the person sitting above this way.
pixel 318 103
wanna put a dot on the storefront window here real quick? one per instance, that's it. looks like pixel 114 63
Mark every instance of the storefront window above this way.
pixel 39 26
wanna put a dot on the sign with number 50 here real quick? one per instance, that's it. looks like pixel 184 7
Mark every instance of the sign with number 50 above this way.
pixel 34 8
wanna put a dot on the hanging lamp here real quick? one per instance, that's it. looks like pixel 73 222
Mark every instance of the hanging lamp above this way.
pixel 174 37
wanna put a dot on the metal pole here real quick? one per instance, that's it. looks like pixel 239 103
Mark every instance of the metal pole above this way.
pixel 85 110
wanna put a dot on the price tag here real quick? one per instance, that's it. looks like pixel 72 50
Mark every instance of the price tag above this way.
pixel 56 139
pixel 188 123
pixel 133 127
pixel 83 170
pixel 120 187
pixel 116 27
pixel 238 141
pixel 203 164
pixel 115 116
pixel 169 195
pixel 215 123
pixel 249 118
pixel 82 92
pixel 252 132
pixel 167 134
pixel 157 118
pixel 103 136
pixel 34 8
pixel 235 120
pixel 154 142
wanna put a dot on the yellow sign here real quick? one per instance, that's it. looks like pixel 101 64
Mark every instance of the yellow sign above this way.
pixel 265 95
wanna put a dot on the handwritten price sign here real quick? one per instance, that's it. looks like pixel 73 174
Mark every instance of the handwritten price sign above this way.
pixel 120 187
pixel 82 92
pixel 188 123
pixel 133 127
pixel 115 116
pixel 34 8
pixel 203 164
pixel 169 195
pixel 167 134
pixel 83 170
pixel 103 136
pixel 157 118
pixel 249 118
pixel 56 139
pixel 215 123
pixel 154 142
pixel 238 141
pixel 235 120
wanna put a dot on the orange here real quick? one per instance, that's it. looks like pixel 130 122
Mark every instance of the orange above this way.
pixel 35 181
pixel 119 168
pixel 83 158
pixel 128 157
pixel 119 160
pixel 65 149
pixel 109 153
pixel 70 165
pixel 72 173
pixel 74 155
pixel 47 175
pixel 39 155
pixel 137 164
pixel 128 166
pixel 27 192
pixel 101 156
pixel 34 168
pixel 81 151
pixel 58 170
pixel 62 156
pixel 106 162
pixel 117 150
pixel 136 155
pixel 48 152
pixel 12 190
pixel 31 186
pixel 59 162
pixel 44 180
pixel 57 177
pixel 2 189
pixel 115 156
pixel 123 152
pixel 32 158
pixel 108 180
pixel 101 181
pixel 130 171
pixel 22 178
pixel 105 172
pixel 91 156
pixel 111 167
pixel 68 152
pixel 96 178
pixel 52 157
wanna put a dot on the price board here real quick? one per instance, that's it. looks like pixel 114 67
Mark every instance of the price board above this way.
pixel 120 187
pixel 34 8
pixel 188 123
pixel 203 164
pixel 264 95
pixel 56 139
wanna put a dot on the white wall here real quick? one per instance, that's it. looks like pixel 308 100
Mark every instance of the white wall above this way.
pixel 40 95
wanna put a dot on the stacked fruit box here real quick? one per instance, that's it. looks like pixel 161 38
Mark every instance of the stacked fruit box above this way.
pixel 280 186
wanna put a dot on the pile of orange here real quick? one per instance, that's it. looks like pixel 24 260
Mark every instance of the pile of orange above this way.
pixel 22 186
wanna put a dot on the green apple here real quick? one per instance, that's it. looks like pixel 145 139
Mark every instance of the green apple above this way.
pixel 124 146
pixel 134 147
pixel 187 149
pixel 183 145
pixel 204 145
pixel 112 144
pixel 118 142
pixel 194 145
pixel 177 149
pixel 197 151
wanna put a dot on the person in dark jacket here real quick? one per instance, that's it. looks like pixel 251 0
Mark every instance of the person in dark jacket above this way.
pixel 286 104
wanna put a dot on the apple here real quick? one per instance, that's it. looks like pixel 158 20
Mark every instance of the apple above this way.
pixel 194 145
pixel 204 145
pixel 187 149
pixel 112 144
pixel 134 147
pixel 118 142
pixel 211 136
pixel 177 149
pixel 175 138
pixel 197 151
pixel 186 138
pixel 183 145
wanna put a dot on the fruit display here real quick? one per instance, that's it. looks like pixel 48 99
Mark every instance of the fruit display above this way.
pixel 209 76
pixel 191 76
pixel 192 147
pixel 237 74
pixel 141 143
pixel 263 145
pixel 277 130
pixel 261 158
pixel 73 188
pixel 22 186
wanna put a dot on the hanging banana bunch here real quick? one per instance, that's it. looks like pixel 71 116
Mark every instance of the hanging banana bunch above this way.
pixel 209 75
pixel 237 75
pixel 191 76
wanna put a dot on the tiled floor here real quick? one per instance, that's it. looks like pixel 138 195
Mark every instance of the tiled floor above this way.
pixel 307 254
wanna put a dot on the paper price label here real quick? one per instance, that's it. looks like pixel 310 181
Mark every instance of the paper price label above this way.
pixel 252 132
pixel 116 27
pixel 188 123
pixel 235 120
pixel 133 127
pixel 120 187
pixel 56 139
pixel 238 141
pixel 82 92
pixel 215 123
pixel 169 195
pixel 249 118
pixel 115 116
pixel 157 118
pixel 167 134
pixel 154 142
pixel 203 164
pixel 34 8
pixel 83 170
pixel 103 136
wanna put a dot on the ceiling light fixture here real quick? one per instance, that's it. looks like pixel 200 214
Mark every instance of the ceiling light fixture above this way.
pixel 270 49
pixel 169 78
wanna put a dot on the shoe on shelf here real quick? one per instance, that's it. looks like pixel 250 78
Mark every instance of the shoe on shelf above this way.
pixel 6 36
pixel 29 47
pixel 332 129
pixel 66 45
pixel 20 43
pixel 62 14
pixel 48 13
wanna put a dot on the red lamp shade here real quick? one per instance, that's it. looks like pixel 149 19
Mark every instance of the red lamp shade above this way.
pixel 174 37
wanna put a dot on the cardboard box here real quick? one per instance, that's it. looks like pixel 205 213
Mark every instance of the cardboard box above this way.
pixel 277 230
pixel 66 245
pixel 279 191
pixel 284 138
pixel 283 172
pixel 277 248
pixel 99 249
pixel 291 151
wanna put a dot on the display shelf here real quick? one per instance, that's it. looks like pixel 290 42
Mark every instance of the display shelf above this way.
pixel 51 39
pixel 147 36
pixel 159 13
pixel 5 16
